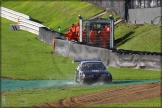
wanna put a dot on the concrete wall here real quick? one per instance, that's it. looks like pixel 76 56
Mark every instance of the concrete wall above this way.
pixel 115 6
pixel 146 15
pixel 135 16
pixel 110 57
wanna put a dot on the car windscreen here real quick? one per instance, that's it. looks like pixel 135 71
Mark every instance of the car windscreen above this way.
pixel 92 66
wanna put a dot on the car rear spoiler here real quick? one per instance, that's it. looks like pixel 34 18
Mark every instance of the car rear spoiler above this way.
pixel 85 60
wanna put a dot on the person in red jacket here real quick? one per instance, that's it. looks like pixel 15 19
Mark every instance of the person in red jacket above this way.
pixel 71 33
pixel 93 34
pixel 84 35
pixel 105 36
pixel 77 29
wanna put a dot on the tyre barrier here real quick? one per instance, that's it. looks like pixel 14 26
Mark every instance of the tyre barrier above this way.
pixel 110 56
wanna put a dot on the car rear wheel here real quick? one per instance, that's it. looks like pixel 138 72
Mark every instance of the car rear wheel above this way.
pixel 109 80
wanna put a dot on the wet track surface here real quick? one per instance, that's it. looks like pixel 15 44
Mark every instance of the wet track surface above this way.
pixel 8 84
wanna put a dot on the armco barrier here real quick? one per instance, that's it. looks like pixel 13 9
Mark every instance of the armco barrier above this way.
pixel 30 26
pixel 12 15
pixel 21 19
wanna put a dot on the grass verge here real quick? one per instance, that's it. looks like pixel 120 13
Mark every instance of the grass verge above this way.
pixel 27 98
pixel 25 57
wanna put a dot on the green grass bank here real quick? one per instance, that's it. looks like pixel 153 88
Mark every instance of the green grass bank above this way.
pixel 63 13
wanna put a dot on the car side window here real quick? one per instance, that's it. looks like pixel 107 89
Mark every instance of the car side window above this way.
pixel 79 67
pixel 84 67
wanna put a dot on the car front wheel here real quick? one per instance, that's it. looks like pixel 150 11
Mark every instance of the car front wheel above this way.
pixel 81 80
pixel 76 77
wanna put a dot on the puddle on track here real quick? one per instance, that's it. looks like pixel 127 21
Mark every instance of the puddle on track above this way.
pixel 8 84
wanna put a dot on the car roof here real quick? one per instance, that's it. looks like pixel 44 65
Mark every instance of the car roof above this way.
pixel 87 61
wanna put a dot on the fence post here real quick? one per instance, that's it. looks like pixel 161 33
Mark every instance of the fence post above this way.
pixel 53 45
pixel 112 31
pixel 81 22
pixel 18 21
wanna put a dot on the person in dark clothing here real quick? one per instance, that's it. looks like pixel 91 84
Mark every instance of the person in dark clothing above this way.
pixel 126 9
pixel 98 38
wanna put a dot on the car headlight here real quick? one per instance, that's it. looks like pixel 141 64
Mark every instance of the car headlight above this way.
pixel 83 75
pixel 109 74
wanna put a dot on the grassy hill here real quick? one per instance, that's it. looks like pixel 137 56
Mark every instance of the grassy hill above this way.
pixel 24 57
pixel 138 37
pixel 63 13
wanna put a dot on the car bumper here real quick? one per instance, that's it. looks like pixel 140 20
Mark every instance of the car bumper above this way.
pixel 98 79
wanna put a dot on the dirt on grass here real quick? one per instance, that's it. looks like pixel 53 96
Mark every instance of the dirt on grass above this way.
pixel 112 95
pixel 5 77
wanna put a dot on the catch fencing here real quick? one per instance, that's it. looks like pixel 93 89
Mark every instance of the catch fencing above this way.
pixel 110 57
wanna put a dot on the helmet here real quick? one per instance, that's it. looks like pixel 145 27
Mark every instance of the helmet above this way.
pixel 77 23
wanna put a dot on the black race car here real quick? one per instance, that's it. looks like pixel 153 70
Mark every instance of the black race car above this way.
pixel 90 71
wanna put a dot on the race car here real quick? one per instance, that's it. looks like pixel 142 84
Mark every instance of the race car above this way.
pixel 90 71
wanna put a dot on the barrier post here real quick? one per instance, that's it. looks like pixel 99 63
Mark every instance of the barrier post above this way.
pixel 53 45
pixel 81 22
pixel 18 21
pixel 112 32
